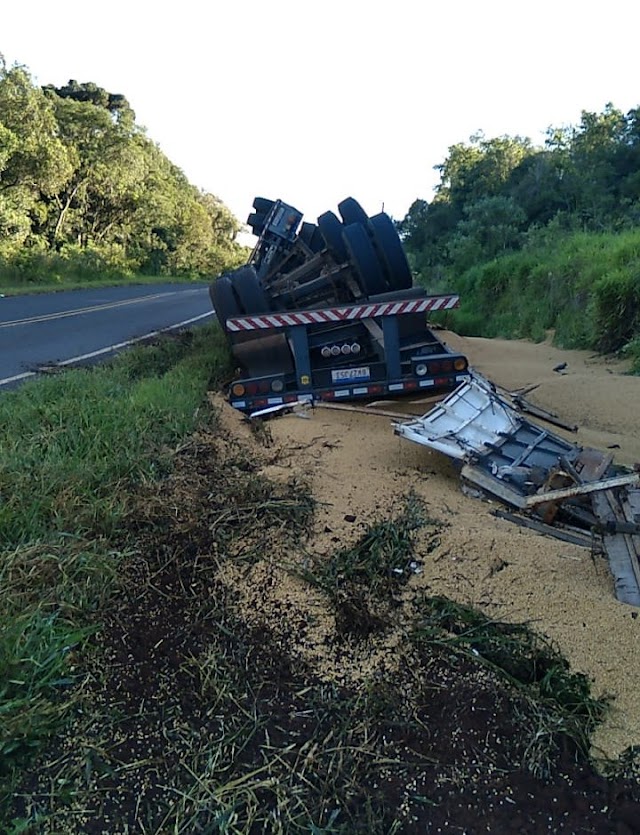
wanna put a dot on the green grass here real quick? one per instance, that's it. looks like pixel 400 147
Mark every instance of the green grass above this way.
pixel 12 286
pixel 73 445
pixel 586 287
pixel 72 449
pixel 259 742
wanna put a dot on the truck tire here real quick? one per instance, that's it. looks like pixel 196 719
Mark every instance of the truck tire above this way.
pixel 311 236
pixel 364 260
pixel 224 300
pixel 331 231
pixel 262 205
pixel 256 222
pixel 387 243
pixel 249 291
pixel 352 212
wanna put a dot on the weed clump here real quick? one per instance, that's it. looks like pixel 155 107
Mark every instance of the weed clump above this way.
pixel 560 699
pixel 362 579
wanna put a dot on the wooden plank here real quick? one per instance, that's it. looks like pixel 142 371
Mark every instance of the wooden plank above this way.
pixel 583 541
pixel 622 556
pixel 633 503
pixel 581 489
pixel 346 407
pixel 630 503
pixel 549 417
pixel 524 390
pixel 485 481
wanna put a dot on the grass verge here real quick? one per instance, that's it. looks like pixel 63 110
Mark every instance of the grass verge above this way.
pixel 191 713
pixel 10 286
pixel 584 286
pixel 73 445
pixel 73 449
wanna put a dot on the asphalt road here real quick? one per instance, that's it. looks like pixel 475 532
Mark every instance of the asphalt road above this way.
pixel 83 326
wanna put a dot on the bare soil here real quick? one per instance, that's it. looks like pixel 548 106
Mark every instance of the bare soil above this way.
pixel 226 689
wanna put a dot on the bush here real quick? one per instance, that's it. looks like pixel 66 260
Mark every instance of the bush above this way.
pixel 586 287
pixel 616 309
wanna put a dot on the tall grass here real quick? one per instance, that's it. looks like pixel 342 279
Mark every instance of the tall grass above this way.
pixel 584 286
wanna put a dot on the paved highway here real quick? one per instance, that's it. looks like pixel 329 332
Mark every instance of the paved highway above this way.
pixel 79 326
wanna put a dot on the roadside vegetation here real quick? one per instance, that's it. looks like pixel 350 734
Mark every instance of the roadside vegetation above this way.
pixel 585 287
pixel 86 196
pixel 138 690
pixel 74 449
pixel 73 445
pixel 539 238
pixel 48 284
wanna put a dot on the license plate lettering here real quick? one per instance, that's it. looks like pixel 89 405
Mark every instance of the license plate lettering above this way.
pixel 341 375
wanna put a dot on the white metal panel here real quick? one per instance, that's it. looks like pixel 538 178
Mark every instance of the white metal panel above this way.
pixel 468 420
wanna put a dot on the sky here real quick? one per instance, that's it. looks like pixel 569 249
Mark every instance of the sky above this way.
pixel 311 102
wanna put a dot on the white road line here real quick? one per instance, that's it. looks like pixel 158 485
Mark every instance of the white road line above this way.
pixel 24 376
pixel 108 349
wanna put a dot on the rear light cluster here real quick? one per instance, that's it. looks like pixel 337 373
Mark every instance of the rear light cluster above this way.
pixel 258 387
pixel 336 350
pixel 440 366
pixel 427 368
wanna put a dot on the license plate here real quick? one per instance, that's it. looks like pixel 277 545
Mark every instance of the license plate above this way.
pixel 341 375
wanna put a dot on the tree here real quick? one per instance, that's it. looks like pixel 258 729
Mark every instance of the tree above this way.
pixel 593 153
pixel 480 169
pixel 539 186
pixel 108 169
pixel 34 163
pixel 78 177
pixel 115 103
pixel 491 226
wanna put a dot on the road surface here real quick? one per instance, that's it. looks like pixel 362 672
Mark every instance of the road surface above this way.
pixel 82 326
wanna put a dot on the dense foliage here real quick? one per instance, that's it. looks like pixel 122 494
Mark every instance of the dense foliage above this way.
pixel 83 190
pixel 539 237
pixel 494 192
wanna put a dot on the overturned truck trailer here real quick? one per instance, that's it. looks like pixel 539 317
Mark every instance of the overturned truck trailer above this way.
pixel 327 311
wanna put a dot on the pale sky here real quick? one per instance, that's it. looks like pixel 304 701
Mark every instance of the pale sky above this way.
pixel 312 102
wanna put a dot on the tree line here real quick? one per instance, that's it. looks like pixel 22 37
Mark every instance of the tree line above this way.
pixel 499 195
pixel 84 190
